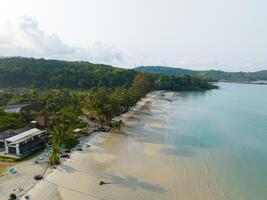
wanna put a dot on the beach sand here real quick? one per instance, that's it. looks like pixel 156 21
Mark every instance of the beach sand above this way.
pixel 26 170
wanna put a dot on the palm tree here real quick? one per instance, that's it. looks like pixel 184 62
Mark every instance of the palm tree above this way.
pixel 60 124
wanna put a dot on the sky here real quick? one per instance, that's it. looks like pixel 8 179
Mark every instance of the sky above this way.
pixel 226 35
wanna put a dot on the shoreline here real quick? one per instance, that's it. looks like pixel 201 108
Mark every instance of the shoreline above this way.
pixel 24 178
pixel 165 151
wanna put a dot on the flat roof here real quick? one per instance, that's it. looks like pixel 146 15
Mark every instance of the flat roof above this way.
pixel 24 136
pixel 6 134
pixel 15 108
pixel 10 133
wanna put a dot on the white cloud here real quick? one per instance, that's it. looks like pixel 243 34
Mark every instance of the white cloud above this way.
pixel 196 41
pixel 23 37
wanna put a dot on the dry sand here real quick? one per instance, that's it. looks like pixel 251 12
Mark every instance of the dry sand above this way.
pixel 10 183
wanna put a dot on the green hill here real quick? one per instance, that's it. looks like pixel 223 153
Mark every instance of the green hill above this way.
pixel 41 73
pixel 18 72
pixel 211 74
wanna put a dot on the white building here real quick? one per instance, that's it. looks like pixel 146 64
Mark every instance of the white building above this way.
pixel 26 142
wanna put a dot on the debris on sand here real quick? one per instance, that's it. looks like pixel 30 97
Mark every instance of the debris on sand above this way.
pixel 103 183
pixel 12 196
pixel 65 156
pixel 38 177
pixel 27 197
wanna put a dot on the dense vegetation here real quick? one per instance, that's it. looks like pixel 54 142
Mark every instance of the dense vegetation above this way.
pixel 10 120
pixel 40 73
pixel 46 74
pixel 209 74
pixel 180 83
pixel 62 110
pixel 5 96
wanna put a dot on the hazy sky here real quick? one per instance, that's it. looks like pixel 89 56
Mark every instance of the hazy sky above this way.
pixel 198 34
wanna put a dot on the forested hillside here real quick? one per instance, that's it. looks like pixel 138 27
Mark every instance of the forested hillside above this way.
pixel 20 72
pixel 210 74
pixel 41 73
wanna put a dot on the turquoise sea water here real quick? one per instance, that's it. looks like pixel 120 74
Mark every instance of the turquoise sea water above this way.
pixel 228 129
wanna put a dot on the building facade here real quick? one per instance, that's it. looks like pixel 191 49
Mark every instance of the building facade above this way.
pixel 26 142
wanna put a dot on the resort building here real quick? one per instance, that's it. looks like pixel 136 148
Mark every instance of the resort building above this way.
pixel 10 133
pixel 41 119
pixel 25 142
pixel 17 108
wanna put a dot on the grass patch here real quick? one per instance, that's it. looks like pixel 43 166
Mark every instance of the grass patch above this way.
pixel 7 159
pixel 6 162
pixel 4 166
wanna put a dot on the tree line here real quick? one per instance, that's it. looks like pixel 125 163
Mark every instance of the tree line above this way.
pixel 209 74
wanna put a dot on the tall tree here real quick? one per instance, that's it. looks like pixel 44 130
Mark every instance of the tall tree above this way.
pixel 102 105
pixel 59 128
pixel 143 83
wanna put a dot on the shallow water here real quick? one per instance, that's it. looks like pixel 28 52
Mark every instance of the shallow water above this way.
pixel 214 142
pixel 224 133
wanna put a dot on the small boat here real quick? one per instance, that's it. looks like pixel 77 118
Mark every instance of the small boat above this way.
pixel 40 158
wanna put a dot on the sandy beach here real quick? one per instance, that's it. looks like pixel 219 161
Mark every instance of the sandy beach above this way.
pixel 22 181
